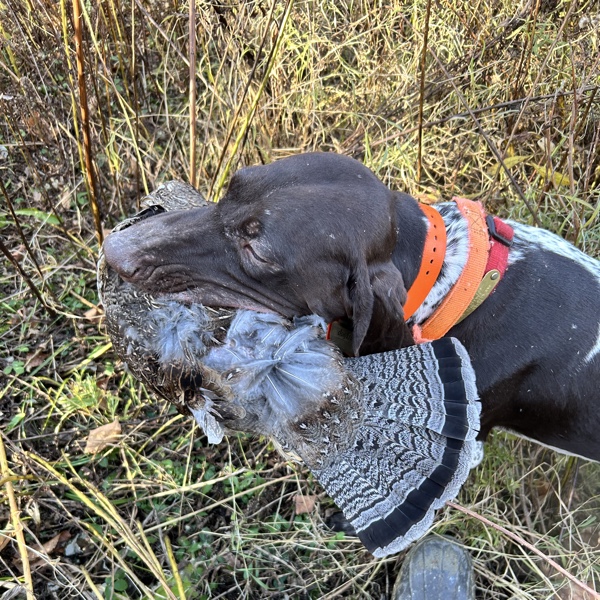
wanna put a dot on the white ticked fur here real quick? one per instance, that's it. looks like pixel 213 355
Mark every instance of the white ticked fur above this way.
pixel 527 239
pixel 457 249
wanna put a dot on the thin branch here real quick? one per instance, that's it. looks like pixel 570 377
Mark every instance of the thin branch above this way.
pixel 15 517
pixel 26 279
pixel 422 91
pixel 85 123
pixel 509 104
pixel 192 58
pixel 11 208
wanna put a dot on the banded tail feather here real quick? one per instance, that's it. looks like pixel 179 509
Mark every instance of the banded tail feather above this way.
pixel 388 489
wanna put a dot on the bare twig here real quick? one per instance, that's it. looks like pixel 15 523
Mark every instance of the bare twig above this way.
pixel 85 123
pixel 510 105
pixel 20 230
pixel 192 55
pixel 26 279
pixel 422 90
pixel 581 124
pixel 16 520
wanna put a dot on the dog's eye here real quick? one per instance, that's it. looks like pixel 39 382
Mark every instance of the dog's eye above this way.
pixel 251 229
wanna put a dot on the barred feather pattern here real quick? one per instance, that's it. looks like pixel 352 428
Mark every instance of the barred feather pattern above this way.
pixel 421 418
pixel 389 436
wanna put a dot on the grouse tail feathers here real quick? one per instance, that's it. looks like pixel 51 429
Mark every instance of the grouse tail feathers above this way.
pixel 414 448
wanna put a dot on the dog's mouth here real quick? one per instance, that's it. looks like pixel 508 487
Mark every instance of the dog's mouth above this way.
pixel 164 343
pixel 218 364
pixel 181 256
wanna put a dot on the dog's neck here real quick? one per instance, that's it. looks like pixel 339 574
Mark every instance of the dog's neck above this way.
pixel 412 234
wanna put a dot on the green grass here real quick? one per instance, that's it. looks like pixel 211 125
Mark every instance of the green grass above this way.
pixel 161 514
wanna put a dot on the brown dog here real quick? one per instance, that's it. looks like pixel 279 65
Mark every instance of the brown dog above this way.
pixel 319 233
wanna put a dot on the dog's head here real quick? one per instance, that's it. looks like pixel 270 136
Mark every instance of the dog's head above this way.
pixel 309 234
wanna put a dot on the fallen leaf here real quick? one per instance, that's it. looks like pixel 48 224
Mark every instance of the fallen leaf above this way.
pixel 50 545
pixel 92 314
pixel 38 557
pixel 509 162
pixel 34 359
pixel 304 504
pixel 102 436
pixel 557 179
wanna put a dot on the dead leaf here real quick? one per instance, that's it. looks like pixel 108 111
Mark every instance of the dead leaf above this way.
pixel 557 179
pixel 92 314
pixel 304 504
pixel 50 545
pixel 38 557
pixel 34 359
pixel 103 382
pixel 103 436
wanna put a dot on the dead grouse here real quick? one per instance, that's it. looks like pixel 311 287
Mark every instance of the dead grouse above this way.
pixel 390 436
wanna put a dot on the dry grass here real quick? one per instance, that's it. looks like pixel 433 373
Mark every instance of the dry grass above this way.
pixel 510 110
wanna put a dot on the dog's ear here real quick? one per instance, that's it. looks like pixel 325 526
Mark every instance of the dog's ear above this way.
pixel 376 298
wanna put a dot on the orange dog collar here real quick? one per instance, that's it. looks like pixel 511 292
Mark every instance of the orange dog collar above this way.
pixel 464 290
pixel 431 262
pixel 489 241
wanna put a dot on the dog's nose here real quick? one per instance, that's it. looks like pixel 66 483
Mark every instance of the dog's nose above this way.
pixel 122 251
